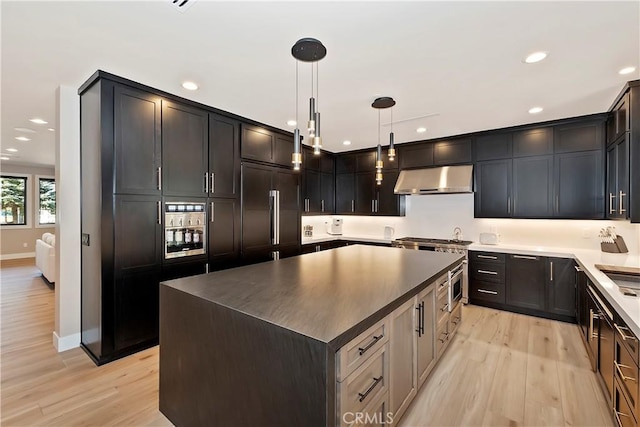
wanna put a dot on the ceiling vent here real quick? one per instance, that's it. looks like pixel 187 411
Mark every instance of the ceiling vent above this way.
pixel 181 5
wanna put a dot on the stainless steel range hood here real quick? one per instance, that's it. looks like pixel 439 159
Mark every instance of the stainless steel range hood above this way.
pixel 439 180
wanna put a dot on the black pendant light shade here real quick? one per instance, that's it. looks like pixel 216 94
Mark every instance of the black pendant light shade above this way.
pixel 308 50
pixel 383 102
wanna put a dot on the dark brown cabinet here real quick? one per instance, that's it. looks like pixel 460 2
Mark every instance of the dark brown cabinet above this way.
pixel 617 194
pixel 388 203
pixel 224 157
pixel 579 136
pixel 561 286
pixel 494 146
pixel 533 142
pixel 619 121
pixel 224 233
pixel 419 155
pixel 526 282
pixel 533 187
pixel 579 185
pixel 318 183
pixel 185 153
pixel 487 278
pixel 365 193
pixel 493 192
pixel 263 145
pixel 452 152
pixel 345 193
pixel 137 141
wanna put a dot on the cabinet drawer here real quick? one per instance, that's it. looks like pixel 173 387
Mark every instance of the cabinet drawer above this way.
pixel 366 384
pixel 442 306
pixel 628 340
pixel 486 291
pixel 442 337
pixel 353 354
pixel 626 372
pixel 488 257
pixel 455 319
pixel 487 272
pixel 622 411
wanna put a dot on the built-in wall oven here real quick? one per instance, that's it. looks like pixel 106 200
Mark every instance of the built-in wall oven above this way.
pixel 456 285
pixel 185 227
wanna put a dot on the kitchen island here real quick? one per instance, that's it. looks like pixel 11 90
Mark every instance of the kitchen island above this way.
pixel 259 345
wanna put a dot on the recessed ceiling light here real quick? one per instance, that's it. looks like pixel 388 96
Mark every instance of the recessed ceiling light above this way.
pixel 51 130
pixel 38 121
pixel 4 158
pixel 346 142
pixel 292 123
pixel 189 85
pixel 535 110
pixel 535 57
pixel 25 130
pixel 23 138
pixel 421 130
pixel 627 70
pixel 12 150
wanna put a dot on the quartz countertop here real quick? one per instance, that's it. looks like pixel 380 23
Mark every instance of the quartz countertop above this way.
pixel 628 307
pixel 330 296
pixel 325 237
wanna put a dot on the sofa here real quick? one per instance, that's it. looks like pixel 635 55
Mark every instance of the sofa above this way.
pixel 46 256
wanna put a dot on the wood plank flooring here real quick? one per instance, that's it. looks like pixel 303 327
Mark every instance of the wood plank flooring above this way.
pixel 501 369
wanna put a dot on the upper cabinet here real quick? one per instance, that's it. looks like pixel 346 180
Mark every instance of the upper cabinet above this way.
pixel 418 155
pixel 494 146
pixel 318 182
pixel 533 142
pixel 578 137
pixel 619 121
pixel 263 145
pixel 224 156
pixel 452 152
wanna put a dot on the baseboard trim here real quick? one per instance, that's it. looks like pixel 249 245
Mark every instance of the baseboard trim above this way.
pixel 66 343
pixel 6 257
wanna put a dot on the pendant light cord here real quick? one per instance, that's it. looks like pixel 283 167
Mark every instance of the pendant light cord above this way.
pixel 296 94
pixel 317 86
pixel 391 119
pixel 378 126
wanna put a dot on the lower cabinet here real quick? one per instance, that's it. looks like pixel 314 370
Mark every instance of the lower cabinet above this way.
pixel 426 323
pixel 404 382
pixel 525 281
pixel 224 233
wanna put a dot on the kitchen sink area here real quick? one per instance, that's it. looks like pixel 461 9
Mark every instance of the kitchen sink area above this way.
pixel 626 278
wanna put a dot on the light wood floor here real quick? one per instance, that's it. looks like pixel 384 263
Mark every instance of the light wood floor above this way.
pixel 501 369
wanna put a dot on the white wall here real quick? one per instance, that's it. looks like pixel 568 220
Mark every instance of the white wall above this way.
pixel 67 300
pixel 437 215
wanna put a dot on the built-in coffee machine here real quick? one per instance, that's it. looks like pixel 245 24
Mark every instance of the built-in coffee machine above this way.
pixel 185 226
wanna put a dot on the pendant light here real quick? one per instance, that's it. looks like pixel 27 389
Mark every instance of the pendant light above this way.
pixel 309 50
pixel 379 104
pixel 392 149
pixel 296 157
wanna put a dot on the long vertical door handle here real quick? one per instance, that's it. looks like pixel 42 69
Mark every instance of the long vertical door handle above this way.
pixel 277 219
pixel 422 316
pixel 612 208
pixel 322 205
pixel 551 271
pixel 373 206
pixel 353 206
pixel 419 307
pixel 509 205
pixel 160 178
pixel 206 182
pixel 622 194
pixel 213 183
pixel 212 212
pixel 272 210
pixel 159 204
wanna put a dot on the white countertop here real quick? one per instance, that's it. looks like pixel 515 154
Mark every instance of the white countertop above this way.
pixel 324 237
pixel 627 307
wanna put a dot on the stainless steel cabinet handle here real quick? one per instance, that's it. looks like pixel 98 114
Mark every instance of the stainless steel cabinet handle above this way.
pixel 363 350
pixel 525 257
pixel 159 204
pixel 373 206
pixel 622 334
pixel 618 415
pixel 551 271
pixel 377 206
pixel 206 182
pixel 622 375
pixel 445 307
pixel 612 209
pixel 322 205
pixel 212 212
pixel 622 194
pixel 353 206
pixel 509 204
pixel 275 218
pixel 484 291
pixel 364 395
pixel 487 257
pixel 578 269
pixel 213 182
pixel 160 178
pixel 493 273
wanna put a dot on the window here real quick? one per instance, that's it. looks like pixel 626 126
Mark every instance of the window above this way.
pixel 13 195
pixel 46 201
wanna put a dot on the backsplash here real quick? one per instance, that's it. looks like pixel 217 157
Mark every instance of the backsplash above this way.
pixel 437 215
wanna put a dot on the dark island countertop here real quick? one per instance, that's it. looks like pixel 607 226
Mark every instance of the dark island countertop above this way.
pixel 330 296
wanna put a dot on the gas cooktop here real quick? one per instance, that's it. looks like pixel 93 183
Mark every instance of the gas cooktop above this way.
pixel 423 240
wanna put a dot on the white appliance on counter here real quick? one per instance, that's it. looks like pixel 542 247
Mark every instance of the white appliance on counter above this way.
pixel 335 227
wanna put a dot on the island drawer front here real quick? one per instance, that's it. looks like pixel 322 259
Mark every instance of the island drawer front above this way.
pixel 442 306
pixel 626 371
pixel 455 319
pixel 493 257
pixel 628 340
pixel 488 272
pixel 366 384
pixel 354 353
pixel 442 285
pixel 376 414
pixel 485 291
pixel 622 411
pixel 442 337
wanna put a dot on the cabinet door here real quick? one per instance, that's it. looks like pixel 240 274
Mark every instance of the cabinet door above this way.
pixel 402 357
pixel 389 203
pixel 137 267
pixel 366 161
pixel 426 347
pixel 415 155
pixel 579 185
pixel 327 193
pixel 283 149
pixel 622 176
pixel 526 281
pixel 224 156
pixel 310 161
pixel 452 152
pixel 137 143
pixel 493 146
pixel 224 233
pixel 312 192
pixel 345 193
pixel 365 193
pixel 257 143
pixel 185 141
pixel 345 163
pixel 533 142
pixel 561 286
pixel 287 182
pixel 611 208
pixel 493 189
pixel 579 137
pixel 256 208
pixel 533 187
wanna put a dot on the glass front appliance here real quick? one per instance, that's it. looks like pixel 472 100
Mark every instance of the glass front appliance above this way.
pixel 185 228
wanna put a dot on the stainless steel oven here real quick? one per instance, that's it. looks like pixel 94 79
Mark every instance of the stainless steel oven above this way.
pixel 456 285
pixel 185 229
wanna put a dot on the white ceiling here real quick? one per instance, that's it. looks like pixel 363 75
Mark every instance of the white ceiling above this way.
pixel 461 60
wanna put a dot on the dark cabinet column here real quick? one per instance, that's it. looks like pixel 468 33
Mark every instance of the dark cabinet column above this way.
pixel 312 192
pixel 287 182
pixel 526 282
pixel 617 196
pixel 137 143
pixel 493 197
pixel 345 193
pixel 579 185
pixel 224 233
pixel 387 202
pixel 533 187
pixel 327 193
pixel 185 132
pixel 256 207
pixel 561 286
pixel 415 155
pixel 365 193
pixel 224 156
